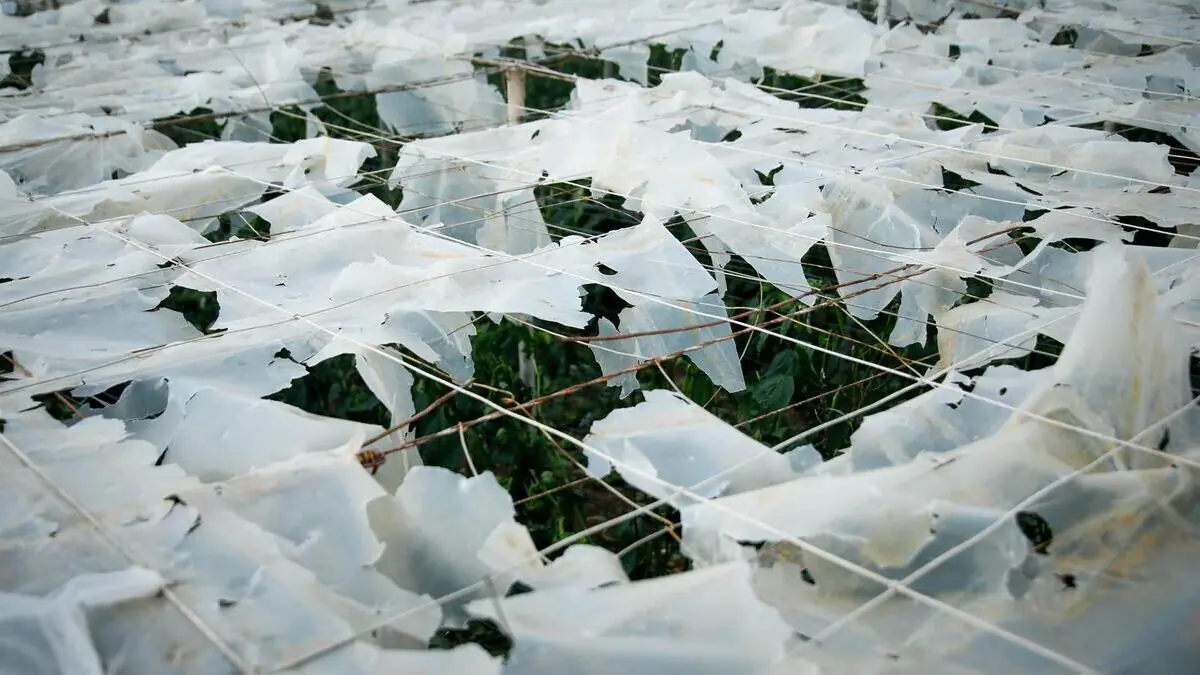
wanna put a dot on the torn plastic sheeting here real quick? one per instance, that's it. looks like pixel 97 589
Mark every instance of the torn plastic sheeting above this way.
pixel 866 220
pixel 467 659
pixel 431 502
pixel 43 335
pixel 1125 302
pixel 942 419
pixel 270 591
pixel 680 444
pixel 391 383
pixel 119 148
pixel 510 548
pixel 665 147
pixel 214 435
pixel 316 504
pixel 57 626
pixel 997 577
pixel 247 362
pixel 654 331
pixel 1000 326
pixel 705 621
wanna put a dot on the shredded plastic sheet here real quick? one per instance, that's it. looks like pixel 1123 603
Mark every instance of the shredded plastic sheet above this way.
pixel 195 527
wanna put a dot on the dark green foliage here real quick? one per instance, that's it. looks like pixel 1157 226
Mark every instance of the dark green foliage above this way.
pixel 21 63
pixel 1036 530
pixel 954 182
pixel 569 209
pixel 662 61
pixel 335 389
pixel 774 391
pixel 199 308
pixel 947 119
pixel 483 633
pixel 197 126
pixel 543 95
pixel 837 93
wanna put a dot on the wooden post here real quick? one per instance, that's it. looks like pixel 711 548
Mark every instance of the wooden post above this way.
pixel 514 88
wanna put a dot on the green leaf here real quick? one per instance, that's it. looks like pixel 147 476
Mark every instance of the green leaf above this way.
pixel 785 363
pixel 769 177
pixel 774 391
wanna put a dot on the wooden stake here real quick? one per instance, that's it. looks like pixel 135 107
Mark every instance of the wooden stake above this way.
pixel 514 86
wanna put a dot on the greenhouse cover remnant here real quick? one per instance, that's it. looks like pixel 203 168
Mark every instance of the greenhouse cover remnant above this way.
pixel 974 179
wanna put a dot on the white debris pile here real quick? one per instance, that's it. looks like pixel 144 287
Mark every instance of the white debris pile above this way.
pixel 196 526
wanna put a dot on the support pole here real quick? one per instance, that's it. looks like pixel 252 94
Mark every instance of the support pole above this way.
pixel 514 89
